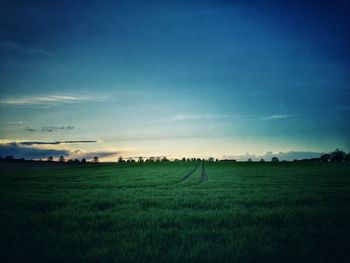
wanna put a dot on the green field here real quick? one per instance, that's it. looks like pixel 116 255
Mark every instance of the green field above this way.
pixel 244 212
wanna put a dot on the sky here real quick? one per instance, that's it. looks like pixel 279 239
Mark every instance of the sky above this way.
pixel 228 79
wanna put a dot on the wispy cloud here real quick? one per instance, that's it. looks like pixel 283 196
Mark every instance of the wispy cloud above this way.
pixel 181 117
pixel 280 116
pixel 13 46
pixel 53 143
pixel 16 122
pixel 272 117
pixel 343 108
pixel 45 100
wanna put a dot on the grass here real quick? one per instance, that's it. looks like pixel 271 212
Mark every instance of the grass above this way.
pixel 245 212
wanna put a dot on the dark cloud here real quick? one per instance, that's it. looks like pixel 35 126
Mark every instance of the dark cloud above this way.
pixel 54 143
pixel 19 151
pixel 90 155
pixel 55 128
pixel 288 156
pixel 51 128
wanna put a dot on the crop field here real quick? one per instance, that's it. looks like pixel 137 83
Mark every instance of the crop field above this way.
pixel 175 212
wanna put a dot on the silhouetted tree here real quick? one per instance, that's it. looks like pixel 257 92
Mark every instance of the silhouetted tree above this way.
pixel 95 159
pixel 120 159
pixel 325 157
pixel 262 160
pixel 211 159
pixel 70 161
pixel 249 160
pixel 76 161
pixel 347 157
pixel 164 159
pixel 83 160
pixel 9 157
pixel 275 159
pixel 61 159
pixel 184 159
pixel 50 159
pixel 337 156
pixel 140 160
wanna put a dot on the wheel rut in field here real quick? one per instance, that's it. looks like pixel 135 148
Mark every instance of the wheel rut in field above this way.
pixel 204 175
pixel 189 174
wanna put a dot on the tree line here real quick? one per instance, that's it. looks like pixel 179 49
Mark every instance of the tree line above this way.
pixel 335 156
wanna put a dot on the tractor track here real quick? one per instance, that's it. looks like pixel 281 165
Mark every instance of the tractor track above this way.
pixel 189 174
pixel 204 175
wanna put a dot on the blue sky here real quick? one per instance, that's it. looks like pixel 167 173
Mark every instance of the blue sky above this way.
pixel 174 78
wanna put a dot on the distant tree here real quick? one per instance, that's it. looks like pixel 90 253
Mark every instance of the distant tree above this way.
pixel 217 160
pixel 250 160
pixel 176 160
pixel 158 159
pixel 83 160
pixel 130 160
pixel 184 159
pixel 95 159
pixel 50 159
pixel 76 161
pixel 262 160
pixel 347 157
pixel 120 159
pixel 70 161
pixel 140 160
pixel 22 160
pixel 211 159
pixel 9 157
pixel 325 157
pixel 164 159
pixel 61 159
pixel 337 156
pixel 40 160
pixel 198 159
pixel 152 159
pixel 275 159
